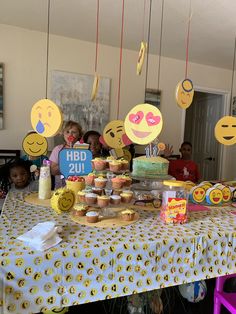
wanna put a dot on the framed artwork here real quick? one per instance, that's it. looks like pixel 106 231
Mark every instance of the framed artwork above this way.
pixel 153 97
pixel 233 113
pixel 1 94
pixel 72 92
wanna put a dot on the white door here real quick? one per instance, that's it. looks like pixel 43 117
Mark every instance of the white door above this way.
pixel 200 121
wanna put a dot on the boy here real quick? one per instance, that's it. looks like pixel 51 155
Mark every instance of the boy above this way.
pixel 184 169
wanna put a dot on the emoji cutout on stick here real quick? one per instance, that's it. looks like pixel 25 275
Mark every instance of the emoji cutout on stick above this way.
pixel 114 135
pixel 34 144
pixel 46 118
pixel 184 93
pixel 225 130
pixel 143 123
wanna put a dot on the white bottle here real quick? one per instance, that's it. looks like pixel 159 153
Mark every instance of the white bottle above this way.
pixel 45 181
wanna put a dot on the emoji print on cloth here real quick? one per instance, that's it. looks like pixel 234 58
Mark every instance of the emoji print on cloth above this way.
pixel 184 93
pixel 225 130
pixel 35 145
pixel 143 123
pixel 114 135
pixel 56 310
pixel 46 118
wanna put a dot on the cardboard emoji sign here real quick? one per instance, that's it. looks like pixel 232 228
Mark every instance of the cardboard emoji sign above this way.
pixel 143 123
pixel 184 93
pixel 34 144
pixel 114 135
pixel 225 130
pixel 46 118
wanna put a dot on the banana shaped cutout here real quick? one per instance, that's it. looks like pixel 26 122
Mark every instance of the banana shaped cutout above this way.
pixel 95 87
pixel 141 56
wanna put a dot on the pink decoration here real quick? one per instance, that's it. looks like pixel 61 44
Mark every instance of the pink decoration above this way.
pixel 151 119
pixel 137 117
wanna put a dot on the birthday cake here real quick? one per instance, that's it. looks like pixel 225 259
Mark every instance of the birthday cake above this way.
pixel 150 166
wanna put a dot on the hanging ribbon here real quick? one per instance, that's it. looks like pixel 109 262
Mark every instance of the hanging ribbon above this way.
pixel 144 13
pixel 160 47
pixel 232 81
pixel 47 49
pixel 121 51
pixel 97 33
pixel 148 42
pixel 187 40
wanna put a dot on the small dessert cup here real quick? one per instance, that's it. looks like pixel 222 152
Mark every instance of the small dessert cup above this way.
pixel 80 210
pixel 92 216
pixel 126 197
pixel 97 191
pixel 116 192
pixel 117 183
pixel 115 199
pixel 115 166
pixel 124 164
pixel 100 182
pixel 99 164
pixel 103 200
pixel 128 214
pixel 89 179
pixel 81 197
pixel 91 198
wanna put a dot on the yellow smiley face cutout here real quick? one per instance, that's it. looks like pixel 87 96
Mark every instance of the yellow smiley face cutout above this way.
pixel 215 196
pixel 227 194
pixel 46 118
pixel 114 134
pixel 198 194
pixel 143 123
pixel 63 199
pixel 184 93
pixel 34 144
pixel 225 130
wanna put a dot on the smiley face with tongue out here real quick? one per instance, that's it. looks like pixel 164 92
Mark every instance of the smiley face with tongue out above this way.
pixel 46 118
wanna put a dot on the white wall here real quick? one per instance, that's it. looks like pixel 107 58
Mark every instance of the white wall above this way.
pixel 24 54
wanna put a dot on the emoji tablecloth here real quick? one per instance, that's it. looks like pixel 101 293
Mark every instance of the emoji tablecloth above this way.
pixel 93 263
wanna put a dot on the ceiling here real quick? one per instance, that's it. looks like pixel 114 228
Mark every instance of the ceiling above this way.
pixel 212 32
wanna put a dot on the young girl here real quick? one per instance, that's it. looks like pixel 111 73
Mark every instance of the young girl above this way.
pixel 15 176
pixel 72 132
pixel 97 149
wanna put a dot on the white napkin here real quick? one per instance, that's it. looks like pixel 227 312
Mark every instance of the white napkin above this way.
pixel 42 236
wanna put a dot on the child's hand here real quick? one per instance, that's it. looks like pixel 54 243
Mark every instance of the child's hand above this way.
pixel 168 151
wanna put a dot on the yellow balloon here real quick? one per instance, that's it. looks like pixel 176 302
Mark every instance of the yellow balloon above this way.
pixel 46 118
pixel 143 123
pixel 184 93
pixel 35 144
pixel 225 130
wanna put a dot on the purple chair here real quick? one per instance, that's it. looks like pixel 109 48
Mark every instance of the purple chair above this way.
pixel 224 298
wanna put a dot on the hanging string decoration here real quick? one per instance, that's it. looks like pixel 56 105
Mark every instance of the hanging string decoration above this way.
pixel 143 46
pixel 225 128
pixel 96 77
pixel 46 116
pixel 184 90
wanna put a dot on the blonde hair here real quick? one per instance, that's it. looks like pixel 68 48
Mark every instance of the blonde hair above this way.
pixel 69 124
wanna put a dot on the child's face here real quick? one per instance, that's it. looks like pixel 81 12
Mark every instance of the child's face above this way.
pixel 186 151
pixel 19 177
pixel 72 131
pixel 94 145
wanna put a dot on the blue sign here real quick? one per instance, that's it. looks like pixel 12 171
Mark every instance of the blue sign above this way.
pixel 75 162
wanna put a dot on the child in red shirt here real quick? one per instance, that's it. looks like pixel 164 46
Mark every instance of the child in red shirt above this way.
pixel 184 169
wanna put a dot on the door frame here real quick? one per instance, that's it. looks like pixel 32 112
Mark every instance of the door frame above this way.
pixel 226 110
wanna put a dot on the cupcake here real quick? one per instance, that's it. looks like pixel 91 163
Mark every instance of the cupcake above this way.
pixel 91 198
pixel 128 214
pixel 99 164
pixel 97 191
pixel 80 210
pixel 115 165
pixel 124 164
pixel 126 197
pixel 100 182
pixel 116 192
pixel 89 179
pixel 127 180
pixel 115 199
pixel 81 196
pixel 103 200
pixel 92 216
pixel 108 160
pixel 117 183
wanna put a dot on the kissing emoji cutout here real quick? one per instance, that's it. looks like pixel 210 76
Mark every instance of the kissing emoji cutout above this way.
pixel 46 118
pixel 114 135
pixel 143 123
pixel 225 130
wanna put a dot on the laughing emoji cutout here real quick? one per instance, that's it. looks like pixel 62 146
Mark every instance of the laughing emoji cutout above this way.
pixel 225 130
pixel 63 199
pixel 34 144
pixel 46 118
pixel 114 135
pixel 143 123
pixel 214 196
pixel 184 93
